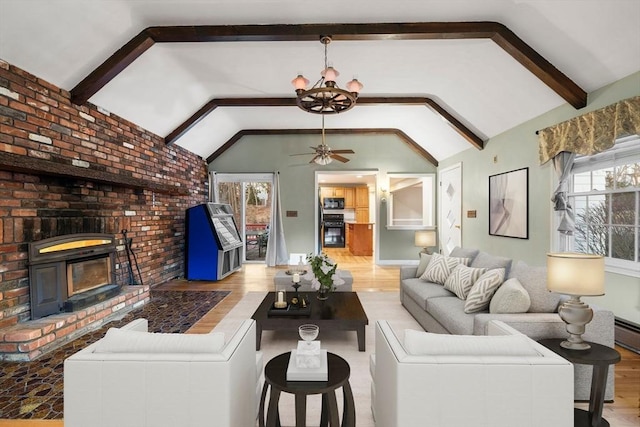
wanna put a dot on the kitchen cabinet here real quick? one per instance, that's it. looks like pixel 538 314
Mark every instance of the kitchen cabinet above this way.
pixel 360 238
pixel 349 197
pixel 362 197
pixel 362 214
pixel 326 192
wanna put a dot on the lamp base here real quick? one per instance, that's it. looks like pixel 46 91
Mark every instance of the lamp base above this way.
pixel 576 315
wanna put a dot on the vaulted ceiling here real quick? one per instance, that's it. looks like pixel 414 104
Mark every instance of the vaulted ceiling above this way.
pixel 202 73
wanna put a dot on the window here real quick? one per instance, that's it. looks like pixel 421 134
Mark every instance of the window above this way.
pixel 411 201
pixel 605 194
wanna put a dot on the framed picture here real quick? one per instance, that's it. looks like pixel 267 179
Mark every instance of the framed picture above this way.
pixel 509 204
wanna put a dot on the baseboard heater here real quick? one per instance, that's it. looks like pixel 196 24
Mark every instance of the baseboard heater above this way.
pixel 627 335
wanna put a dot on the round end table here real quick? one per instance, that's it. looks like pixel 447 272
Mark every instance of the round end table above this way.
pixel 275 376
pixel 600 357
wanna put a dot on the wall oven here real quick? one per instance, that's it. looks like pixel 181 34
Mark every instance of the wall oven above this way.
pixel 333 235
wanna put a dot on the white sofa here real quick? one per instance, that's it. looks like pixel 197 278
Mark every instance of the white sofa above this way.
pixel 461 390
pixel 161 389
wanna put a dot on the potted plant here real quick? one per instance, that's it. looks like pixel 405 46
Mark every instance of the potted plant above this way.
pixel 322 274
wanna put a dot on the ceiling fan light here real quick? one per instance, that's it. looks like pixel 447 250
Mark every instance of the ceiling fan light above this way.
pixel 354 86
pixel 300 83
pixel 321 160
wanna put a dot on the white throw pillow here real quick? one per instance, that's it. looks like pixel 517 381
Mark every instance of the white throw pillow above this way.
pixel 425 343
pixel 424 262
pixel 462 279
pixel 481 292
pixel 126 341
pixel 511 297
pixel 440 267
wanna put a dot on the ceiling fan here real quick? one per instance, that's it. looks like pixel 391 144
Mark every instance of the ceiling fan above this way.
pixel 323 154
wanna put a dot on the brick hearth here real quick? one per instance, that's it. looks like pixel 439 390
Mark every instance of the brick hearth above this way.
pixel 29 340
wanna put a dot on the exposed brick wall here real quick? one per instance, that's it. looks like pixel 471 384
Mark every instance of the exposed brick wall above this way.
pixel 38 120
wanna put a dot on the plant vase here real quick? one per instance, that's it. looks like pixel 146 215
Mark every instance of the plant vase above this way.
pixel 323 293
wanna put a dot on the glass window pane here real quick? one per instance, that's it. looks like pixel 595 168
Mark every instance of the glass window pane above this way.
pixel 628 176
pixel 623 208
pixel 580 209
pixel 622 243
pixel 580 238
pixel 582 182
pixel 598 240
pixel 602 179
pixel 598 209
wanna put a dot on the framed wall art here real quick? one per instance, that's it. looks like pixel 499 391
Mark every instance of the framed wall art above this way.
pixel 509 204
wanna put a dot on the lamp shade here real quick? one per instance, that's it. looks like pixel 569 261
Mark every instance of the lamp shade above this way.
pixel 575 274
pixel 425 238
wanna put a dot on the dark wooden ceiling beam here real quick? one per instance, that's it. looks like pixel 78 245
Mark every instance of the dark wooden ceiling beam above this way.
pixel 497 32
pixel 210 106
pixel 383 131
pixel 110 68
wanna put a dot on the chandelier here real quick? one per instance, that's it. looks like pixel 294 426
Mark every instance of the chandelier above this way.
pixel 325 97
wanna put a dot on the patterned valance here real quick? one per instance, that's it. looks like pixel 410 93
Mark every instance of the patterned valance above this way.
pixel 592 132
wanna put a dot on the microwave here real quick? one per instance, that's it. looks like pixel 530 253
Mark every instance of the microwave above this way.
pixel 333 203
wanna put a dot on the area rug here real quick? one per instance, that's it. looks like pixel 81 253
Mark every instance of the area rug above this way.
pixel 34 390
pixel 377 306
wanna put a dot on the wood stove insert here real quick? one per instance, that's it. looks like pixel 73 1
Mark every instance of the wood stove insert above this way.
pixel 70 272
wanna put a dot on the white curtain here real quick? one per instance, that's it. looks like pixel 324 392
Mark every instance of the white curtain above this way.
pixel 563 163
pixel 276 246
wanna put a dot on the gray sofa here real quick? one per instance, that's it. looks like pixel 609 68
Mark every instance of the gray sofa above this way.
pixel 441 311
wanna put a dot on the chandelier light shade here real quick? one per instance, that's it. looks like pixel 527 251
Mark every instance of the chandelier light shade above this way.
pixel 325 97
pixel 576 275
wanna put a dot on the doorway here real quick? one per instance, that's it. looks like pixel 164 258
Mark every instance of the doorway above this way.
pixel 250 197
pixel 346 199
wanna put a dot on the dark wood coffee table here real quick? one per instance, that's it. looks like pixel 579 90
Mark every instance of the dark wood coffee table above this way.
pixel 342 311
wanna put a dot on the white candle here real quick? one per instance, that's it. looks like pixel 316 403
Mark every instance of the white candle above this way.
pixel 296 277
pixel 280 297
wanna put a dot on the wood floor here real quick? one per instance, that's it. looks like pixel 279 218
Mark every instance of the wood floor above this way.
pixel 623 412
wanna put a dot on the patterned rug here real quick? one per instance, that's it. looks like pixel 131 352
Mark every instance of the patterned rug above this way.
pixel 34 390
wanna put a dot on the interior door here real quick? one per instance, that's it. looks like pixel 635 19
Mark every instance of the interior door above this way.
pixel 450 224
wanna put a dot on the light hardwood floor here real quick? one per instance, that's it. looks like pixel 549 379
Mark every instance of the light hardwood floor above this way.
pixel 624 411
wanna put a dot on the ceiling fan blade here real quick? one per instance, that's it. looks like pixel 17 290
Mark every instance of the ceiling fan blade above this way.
pixel 339 158
pixel 314 159
pixel 302 154
pixel 343 151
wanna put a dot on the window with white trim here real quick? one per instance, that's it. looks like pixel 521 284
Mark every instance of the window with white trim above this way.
pixel 605 195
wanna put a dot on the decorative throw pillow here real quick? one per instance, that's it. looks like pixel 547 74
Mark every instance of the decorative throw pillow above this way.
pixel 422 266
pixel 462 279
pixel 440 267
pixel 128 341
pixel 481 292
pixel 511 297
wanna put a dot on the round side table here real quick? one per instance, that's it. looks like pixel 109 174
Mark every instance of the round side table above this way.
pixel 600 357
pixel 275 376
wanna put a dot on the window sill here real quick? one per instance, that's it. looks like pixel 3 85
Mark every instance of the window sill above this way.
pixel 625 268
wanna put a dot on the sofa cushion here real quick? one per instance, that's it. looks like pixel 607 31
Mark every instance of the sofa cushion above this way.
pixel 128 341
pixel 449 312
pixel 489 261
pixel 424 262
pixel 462 279
pixel 510 297
pixel 424 343
pixel 421 291
pixel 464 253
pixel 483 289
pixel 534 280
pixel 440 267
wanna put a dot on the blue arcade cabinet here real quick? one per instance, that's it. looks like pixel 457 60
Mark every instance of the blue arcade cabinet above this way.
pixel 213 247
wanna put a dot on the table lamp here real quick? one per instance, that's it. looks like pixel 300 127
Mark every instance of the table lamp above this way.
pixel 425 239
pixel 576 275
